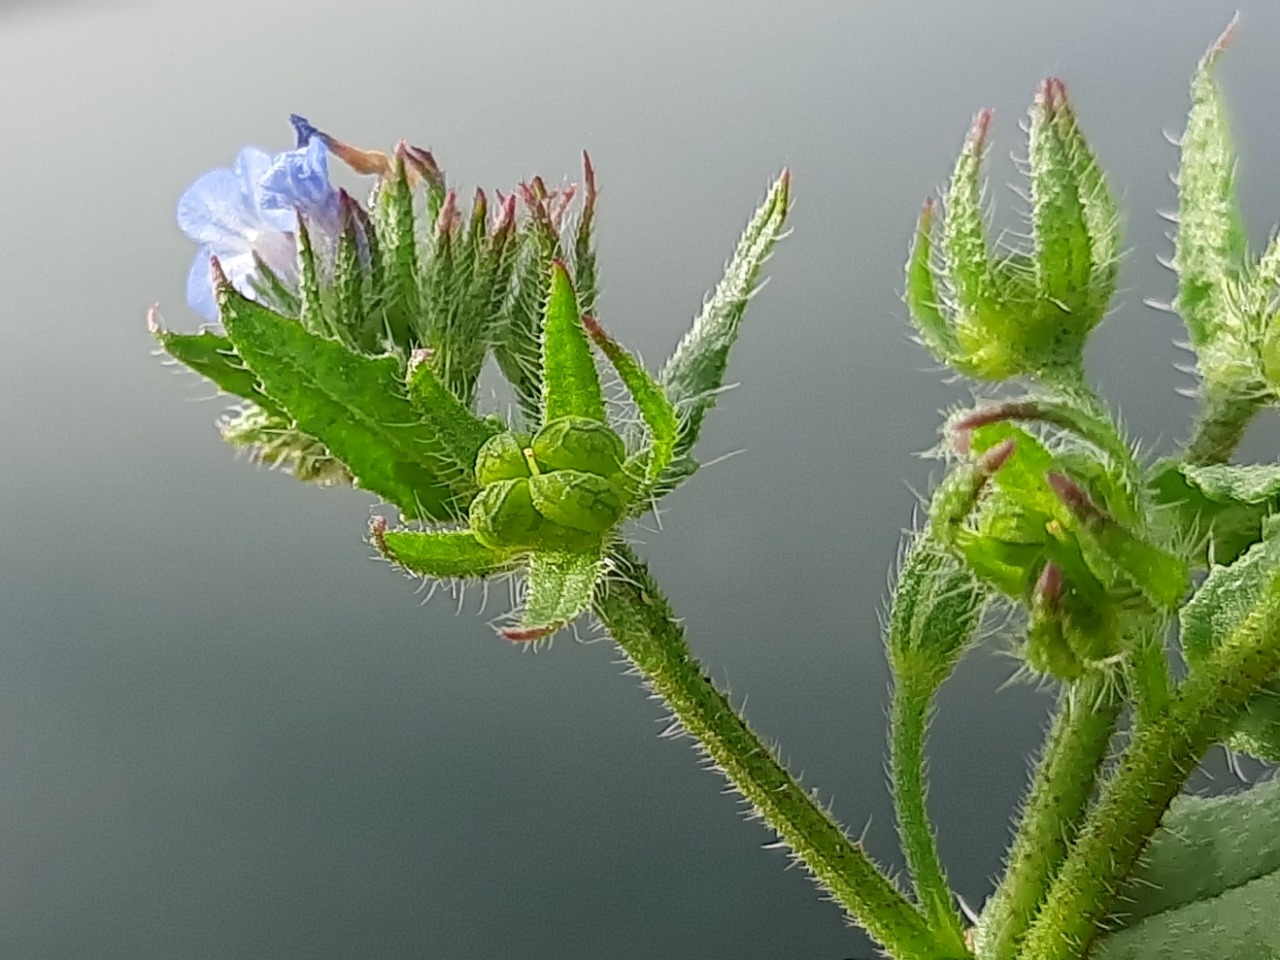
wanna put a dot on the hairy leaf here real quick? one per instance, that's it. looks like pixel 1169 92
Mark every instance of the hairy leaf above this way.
pixel 559 589
pixel 441 555
pixel 356 406
pixel 696 370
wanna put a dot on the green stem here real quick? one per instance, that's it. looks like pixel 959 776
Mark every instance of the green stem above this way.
pixel 908 724
pixel 1075 750
pixel 1220 426
pixel 1162 753
pixel 640 620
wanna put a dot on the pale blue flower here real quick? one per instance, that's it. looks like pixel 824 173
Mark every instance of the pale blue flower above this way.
pixel 252 209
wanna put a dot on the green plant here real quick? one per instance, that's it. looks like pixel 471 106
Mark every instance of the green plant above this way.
pixel 355 337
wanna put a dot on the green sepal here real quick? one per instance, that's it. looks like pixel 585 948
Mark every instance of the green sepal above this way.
pixel 1101 216
pixel 1216 511
pixel 397 240
pixel 570 383
pixel 936 607
pixel 983 328
pixel 650 399
pixel 355 405
pixel 348 282
pixel 559 590
pixel 1226 599
pixel 1211 245
pixel 581 501
pixel 460 433
pixel 441 555
pixel 517 343
pixel 695 372
pixel 213 357
pixel 923 303
pixel 584 245
pixel 576 443
pixel 1063 248
pixel 1205 847
pixel 311 307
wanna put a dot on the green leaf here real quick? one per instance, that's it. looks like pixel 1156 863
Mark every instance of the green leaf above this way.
pixel 923 303
pixel 570 383
pixel 651 400
pixel 1205 847
pixel 1211 245
pixel 1228 596
pixel 695 373
pixel 355 405
pixel 460 432
pixel 441 555
pixel 518 344
pixel 348 280
pixel 1216 509
pixel 213 357
pixel 1238 925
pixel 560 586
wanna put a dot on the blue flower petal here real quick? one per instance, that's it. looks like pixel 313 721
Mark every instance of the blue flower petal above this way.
pixel 303 129
pixel 215 209
pixel 200 286
pixel 299 178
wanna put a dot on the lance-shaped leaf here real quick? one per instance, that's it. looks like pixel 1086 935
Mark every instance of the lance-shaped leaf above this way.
pixel 1205 847
pixel 1217 510
pixel 559 589
pixel 355 405
pixel 460 432
pixel 441 555
pixel 1211 244
pixel 570 383
pixel 695 372
pixel 213 357
pixel 921 296
pixel 1228 596
pixel 651 400
pixel 1064 253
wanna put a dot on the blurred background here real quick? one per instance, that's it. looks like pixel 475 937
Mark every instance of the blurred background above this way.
pixel 225 732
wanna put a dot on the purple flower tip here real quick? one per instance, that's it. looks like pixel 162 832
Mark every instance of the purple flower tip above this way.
pixel 303 129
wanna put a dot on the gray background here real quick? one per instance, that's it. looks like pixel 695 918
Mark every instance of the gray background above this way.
pixel 226 733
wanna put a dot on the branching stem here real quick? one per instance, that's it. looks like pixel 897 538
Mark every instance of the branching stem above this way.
pixel 640 620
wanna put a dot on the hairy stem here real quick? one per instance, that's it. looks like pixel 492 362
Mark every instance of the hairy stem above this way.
pixel 1075 750
pixel 640 620
pixel 908 724
pixel 1161 755
pixel 1220 426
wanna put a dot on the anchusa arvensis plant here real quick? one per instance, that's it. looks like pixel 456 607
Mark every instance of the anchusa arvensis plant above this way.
pixel 354 334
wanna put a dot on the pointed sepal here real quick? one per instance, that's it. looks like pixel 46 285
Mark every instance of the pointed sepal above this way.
pixel 558 592
pixel 440 555
pixel 570 382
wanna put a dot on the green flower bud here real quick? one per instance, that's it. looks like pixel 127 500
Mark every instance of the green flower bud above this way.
pixel 503 516
pixel 501 458
pixel 578 443
pixel 1048 650
pixel 581 501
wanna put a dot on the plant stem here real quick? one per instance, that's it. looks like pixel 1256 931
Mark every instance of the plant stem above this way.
pixel 1074 752
pixel 1161 755
pixel 1220 426
pixel 908 723
pixel 640 620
